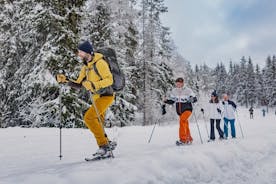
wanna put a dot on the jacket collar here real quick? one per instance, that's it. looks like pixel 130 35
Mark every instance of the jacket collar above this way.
pixel 97 57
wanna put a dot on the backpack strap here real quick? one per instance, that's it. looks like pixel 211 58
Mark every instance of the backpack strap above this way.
pixel 96 70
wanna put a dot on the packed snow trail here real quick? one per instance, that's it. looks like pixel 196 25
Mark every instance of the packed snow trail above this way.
pixel 30 156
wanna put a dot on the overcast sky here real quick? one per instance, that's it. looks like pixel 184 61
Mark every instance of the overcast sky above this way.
pixel 210 31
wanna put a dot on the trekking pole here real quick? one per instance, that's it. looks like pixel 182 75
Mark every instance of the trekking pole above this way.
pixel 238 119
pixel 60 122
pixel 225 125
pixel 98 116
pixel 156 124
pixel 198 128
pixel 205 125
pixel 153 130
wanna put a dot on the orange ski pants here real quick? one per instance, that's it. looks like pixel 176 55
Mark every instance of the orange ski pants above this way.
pixel 184 130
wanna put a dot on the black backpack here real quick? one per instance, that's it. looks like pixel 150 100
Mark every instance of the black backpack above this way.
pixel 118 75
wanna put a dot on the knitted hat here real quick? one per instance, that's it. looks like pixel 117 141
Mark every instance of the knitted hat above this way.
pixel 214 93
pixel 86 47
pixel 180 79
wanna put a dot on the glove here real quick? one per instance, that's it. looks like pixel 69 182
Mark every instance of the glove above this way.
pixel 164 109
pixel 74 85
pixel 61 78
pixel 189 100
pixel 88 85
pixel 219 111
pixel 192 99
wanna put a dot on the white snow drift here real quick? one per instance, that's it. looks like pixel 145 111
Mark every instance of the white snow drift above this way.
pixel 30 156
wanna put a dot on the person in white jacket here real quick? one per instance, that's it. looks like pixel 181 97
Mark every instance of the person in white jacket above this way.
pixel 229 115
pixel 215 109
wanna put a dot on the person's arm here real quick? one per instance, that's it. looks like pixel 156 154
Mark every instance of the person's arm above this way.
pixel 76 84
pixel 172 99
pixel 61 78
pixel 233 104
pixel 82 76
pixel 169 101
pixel 220 108
pixel 192 98
pixel 221 104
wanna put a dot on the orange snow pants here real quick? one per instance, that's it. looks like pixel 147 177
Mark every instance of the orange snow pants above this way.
pixel 92 122
pixel 184 130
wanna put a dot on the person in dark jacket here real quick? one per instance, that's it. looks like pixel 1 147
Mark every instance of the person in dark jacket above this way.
pixel 251 110
pixel 215 113
pixel 263 112
pixel 183 97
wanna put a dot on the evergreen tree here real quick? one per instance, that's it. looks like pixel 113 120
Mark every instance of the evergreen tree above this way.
pixel 44 34
pixel 250 87
pixel 153 66
pixel 220 75
pixel 259 86
pixel 241 93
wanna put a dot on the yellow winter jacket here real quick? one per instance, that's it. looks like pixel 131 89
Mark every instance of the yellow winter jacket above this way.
pixel 87 71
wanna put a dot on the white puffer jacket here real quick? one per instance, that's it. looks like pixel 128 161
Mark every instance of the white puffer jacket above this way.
pixel 181 94
pixel 229 108
pixel 213 110
pixel 183 99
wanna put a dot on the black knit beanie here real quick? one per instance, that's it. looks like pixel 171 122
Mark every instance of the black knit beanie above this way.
pixel 86 47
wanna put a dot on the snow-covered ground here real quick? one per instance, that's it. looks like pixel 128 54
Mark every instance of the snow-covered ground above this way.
pixel 30 156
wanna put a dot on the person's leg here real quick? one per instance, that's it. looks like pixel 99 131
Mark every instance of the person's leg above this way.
pixel 218 128
pixel 92 122
pixel 233 130
pixel 184 132
pixel 189 137
pixel 226 127
pixel 212 132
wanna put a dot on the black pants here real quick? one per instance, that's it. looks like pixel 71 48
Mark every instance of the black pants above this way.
pixel 212 122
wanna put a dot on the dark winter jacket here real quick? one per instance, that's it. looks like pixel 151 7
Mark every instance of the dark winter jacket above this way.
pixel 183 99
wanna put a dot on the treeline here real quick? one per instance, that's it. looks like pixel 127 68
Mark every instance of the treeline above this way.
pixel 249 84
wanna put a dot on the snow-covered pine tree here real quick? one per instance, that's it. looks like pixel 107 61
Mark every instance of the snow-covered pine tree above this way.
pixel 259 86
pixel 157 75
pixel 250 87
pixel 206 82
pixel 273 90
pixel 241 93
pixel 44 35
pixel 125 42
pixel 269 81
pixel 220 75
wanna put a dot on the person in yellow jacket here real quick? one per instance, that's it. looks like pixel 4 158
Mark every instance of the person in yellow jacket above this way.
pixel 100 86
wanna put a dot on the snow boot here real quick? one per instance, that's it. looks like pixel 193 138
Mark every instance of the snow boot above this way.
pixel 103 151
pixel 211 140
pixel 112 145
pixel 181 143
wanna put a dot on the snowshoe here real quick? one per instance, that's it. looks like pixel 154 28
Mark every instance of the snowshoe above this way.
pixel 99 157
pixel 211 140
pixel 182 143
pixel 103 151
pixel 112 145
